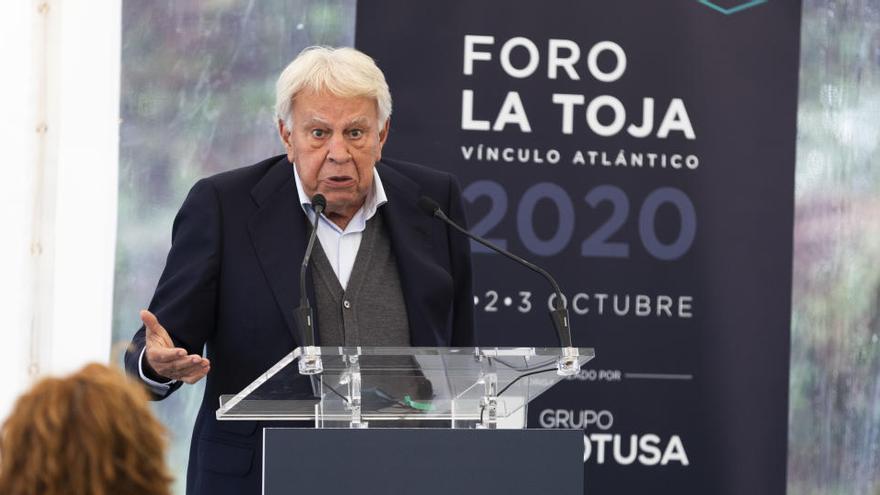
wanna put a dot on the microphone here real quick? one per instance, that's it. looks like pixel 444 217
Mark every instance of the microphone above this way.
pixel 568 363
pixel 310 361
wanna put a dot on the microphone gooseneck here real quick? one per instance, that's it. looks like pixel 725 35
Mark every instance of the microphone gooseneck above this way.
pixel 303 315
pixel 559 315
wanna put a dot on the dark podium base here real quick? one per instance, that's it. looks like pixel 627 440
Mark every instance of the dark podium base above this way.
pixel 422 461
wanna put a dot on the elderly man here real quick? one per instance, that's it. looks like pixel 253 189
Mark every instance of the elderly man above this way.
pixel 383 274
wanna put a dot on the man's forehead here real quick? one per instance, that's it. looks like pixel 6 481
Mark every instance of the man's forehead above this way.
pixel 323 100
pixel 316 118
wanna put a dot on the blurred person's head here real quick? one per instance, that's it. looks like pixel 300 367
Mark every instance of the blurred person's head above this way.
pixel 89 433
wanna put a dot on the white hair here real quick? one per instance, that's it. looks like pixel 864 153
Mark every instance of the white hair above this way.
pixel 344 72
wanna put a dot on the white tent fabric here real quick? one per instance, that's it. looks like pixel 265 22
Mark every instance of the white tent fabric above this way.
pixel 58 186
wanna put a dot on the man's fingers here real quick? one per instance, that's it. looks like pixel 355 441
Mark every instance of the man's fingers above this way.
pixel 181 366
pixel 150 321
pixel 187 364
pixel 188 370
pixel 154 329
pixel 196 375
pixel 163 355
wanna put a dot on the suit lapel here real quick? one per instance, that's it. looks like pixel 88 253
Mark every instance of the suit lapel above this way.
pixel 279 232
pixel 411 232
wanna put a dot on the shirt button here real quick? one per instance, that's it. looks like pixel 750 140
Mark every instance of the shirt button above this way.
pixel 346 304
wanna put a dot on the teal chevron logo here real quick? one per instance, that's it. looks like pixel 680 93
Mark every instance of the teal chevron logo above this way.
pixel 737 6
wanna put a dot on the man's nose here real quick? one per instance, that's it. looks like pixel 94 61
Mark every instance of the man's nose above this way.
pixel 338 149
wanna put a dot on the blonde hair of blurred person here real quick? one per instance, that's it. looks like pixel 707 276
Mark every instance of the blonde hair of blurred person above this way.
pixel 88 433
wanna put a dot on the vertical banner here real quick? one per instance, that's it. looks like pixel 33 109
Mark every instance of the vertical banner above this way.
pixel 643 152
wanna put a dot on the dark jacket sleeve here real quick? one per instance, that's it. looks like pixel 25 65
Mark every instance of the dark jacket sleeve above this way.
pixel 463 334
pixel 185 298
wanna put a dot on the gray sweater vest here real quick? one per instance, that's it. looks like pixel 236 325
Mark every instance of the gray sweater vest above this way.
pixel 371 310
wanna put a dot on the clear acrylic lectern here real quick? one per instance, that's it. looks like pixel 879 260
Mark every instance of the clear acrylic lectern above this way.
pixel 352 387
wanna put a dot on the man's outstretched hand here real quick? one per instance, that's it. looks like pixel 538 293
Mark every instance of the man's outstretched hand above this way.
pixel 168 361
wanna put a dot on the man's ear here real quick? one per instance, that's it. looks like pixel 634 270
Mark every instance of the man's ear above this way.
pixel 383 133
pixel 284 134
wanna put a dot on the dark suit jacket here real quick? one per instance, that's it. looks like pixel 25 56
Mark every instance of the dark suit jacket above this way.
pixel 231 283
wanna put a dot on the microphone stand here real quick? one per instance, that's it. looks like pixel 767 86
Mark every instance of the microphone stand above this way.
pixel 567 364
pixel 310 360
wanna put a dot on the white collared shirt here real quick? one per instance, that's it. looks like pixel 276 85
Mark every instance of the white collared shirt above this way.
pixel 341 245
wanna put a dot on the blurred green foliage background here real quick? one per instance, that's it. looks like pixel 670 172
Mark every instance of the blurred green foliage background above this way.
pixel 834 413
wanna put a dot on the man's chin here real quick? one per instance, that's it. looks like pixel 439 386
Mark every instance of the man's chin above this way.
pixel 340 203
